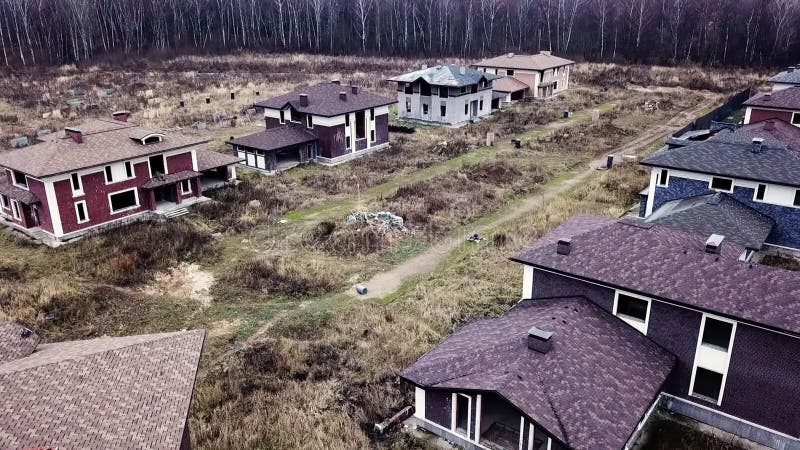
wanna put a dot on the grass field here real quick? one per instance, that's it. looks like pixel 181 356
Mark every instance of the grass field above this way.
pixel 291 360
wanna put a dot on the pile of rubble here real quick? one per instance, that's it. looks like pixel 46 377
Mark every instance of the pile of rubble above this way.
pixel 384 222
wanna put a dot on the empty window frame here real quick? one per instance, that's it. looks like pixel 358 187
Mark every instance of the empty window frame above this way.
pixel 761 191
pixel 15 209
pixel 510 72
pixel 77 185
pixel 282 117
pixel 372 136
pixel 444 92
pixel 796 198
pixel 3 201
pixel 361 126
pixel 347 116
pixel 466 108
pixel 157 165
pixel 707 384
pixel 153 139
pixel 409 88
pixel 425 109
pixel 347 142
pixel 717 334
pixel 372 114
pixel 123 201
pixel 20 179
pixel 443 110
pixel 408 106
pixel 128 169
pixel 721 184
pixel 663 178
pixel 309 121
pixel 480 105
pixel 81 212
pixel 186 187
pixel 109 175
pixel 633 310
pixel 796 119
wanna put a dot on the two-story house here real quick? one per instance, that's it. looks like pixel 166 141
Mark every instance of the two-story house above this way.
pixel 619 318
pixel 445 95
pixel 779 105
pixel 327 123
pixel 786 79
pixel 103 172
pixel 747 177
pixel 539 76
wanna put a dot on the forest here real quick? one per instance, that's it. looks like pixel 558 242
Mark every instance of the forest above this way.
pixel 710 32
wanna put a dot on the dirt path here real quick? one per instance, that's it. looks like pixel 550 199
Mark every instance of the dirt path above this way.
pixel 385 283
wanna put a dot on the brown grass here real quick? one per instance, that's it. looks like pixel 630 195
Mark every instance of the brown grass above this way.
pixel 276 276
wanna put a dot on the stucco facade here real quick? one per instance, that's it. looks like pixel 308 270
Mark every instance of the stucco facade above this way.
pixel 459 109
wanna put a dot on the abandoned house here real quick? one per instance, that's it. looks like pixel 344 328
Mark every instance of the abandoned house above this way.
pixel 327 123
pixel 780 105
pixel 445 95
pixel 786 79
pixel 103 173
pixel 621 304
pixel 128 392
pixel 745 177
pixel 539 76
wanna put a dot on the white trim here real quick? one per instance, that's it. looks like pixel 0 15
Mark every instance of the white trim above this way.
pixel 76 192
pixel 85 212
pixel 521 431
pixel 427 422
pixel 658 179
pixel 16 213
pixel 454 415
pixel 183 192
pixel 478 400
pixel 728 191
pixel 163 158
pixel 755 193
pixel 712 358
pixel 748 114
pixel 453 404
pixel 531 435
pixel 3 203
pixel 52 206
pixel 527 281
pixel 160 137
pixel 309 121
pixel 14 180
pixel 419 402
pixel 129 208
pixel 633 321
pixel 796 119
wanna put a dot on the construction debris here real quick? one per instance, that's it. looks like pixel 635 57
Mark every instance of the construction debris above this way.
pixel 385 221
pixel 19 142
pixel 475 238
pixel 402 415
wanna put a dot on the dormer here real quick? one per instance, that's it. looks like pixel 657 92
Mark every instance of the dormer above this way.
pixel 148 138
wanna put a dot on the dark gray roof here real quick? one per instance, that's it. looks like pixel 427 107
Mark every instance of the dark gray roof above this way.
pixel 323 100
pixel 672 265
pixel 275 138
pixel 772 164
pixel 590 390
pixel 449 75
pixel 785 99
pixel 787 77
pixel 716 213
pixel 774 132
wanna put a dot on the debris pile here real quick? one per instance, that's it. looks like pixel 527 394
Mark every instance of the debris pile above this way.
pixel 383 222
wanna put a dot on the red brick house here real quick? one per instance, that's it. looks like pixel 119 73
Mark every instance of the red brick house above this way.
pixel 102 173
pixel 327 123
pixel 781 105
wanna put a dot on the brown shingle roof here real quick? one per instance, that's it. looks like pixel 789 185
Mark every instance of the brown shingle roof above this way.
pixel 130 392
pixel 275 138
pixel 16 341
pixel 323 100
pixel 171 178
pixel 509 84
pixel 104 141
pixel 208 159
pixel 540 61
pixel 24 196
pixel 785 99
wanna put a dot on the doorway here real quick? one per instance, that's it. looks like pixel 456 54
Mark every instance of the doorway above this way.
pixel 474 108
pixel 165 194
pixel 157 165
pixel 462 414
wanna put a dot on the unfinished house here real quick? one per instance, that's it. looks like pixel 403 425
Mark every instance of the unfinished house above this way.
pixel 786 79
pixel 103 173
pixel 128 392
pixel 327 123
pixel 445 95
pixel 543 75
pixel 779 105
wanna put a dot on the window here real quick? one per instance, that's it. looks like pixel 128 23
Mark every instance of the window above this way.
pixel 401 87
pixel 361 126
pixel 3 201
pixel 463 89
pixel 153 139
pixel 663 178
pixel 282 118
pixel 425 89
pixel 435 90
pixel 707 383
pixel 157 165
pixel 480 105
pixel 15 209
pixel 444 92
pixel 122 201
pixel 722 184
pixel 372 114
pixel 425 109
pixel 347 117
pixel 186 186
pixel 510 72
pixel 796 198
pixel 128 169
pixel 760 191
pixel 466 108
pixel 77 187
pixel 717 333
pixel 443 110
pixel 348 141
pixel 20 179
pixel 633 310
pixel 408 106
pixel 309 121
pixel 372 136
pixel 796 119
pixel 409 88
pixel 80 212
pixel 295 116
pixel 109 176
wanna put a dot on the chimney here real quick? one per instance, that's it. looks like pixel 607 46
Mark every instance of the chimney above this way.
pixel 510 55
pixel 303 99
pixel 337 82
pixel 354 89
pixel 75 134
pixel 546 52
pixel 769 125
pixel 758 145
pixel 540 340
pixel 462 70
pixel 714 243
pixel 564 246
pixel 768 97
pixel 122 116
pixel 343 96
pixel 790 69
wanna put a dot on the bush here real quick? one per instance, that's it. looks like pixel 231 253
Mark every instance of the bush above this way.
pixel 275 276
pixel 350 240
pixel 241 207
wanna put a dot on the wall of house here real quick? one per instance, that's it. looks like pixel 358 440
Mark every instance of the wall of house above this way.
pixel 758 115
pixel 37 188
pixel 180 162
pixel 454 114
pixel 761 382
pixel 331 140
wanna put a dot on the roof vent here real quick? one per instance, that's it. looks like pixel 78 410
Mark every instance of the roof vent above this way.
pixel 546 52
pixel 121 116
pixel 758 145
pixel 343 96
pixel 790 69
pixel 714 243
pixel 510 55
pixel 540 340
pixel 336 81
pixel 769 125
pixel 462 70
pixel 303 99
pixel 767 97
pixel 564 246
pixel 75 134
pixel 354 89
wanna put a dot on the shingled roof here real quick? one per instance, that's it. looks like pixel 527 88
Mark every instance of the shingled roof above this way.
pixel 324 100
pixel 771 164
pixel 774 132
pixel 104 142
pixel 671 265
pixel 784 99
pixel 540 61
pixel 509 84
pixel 589 390
pixel 22 195
pixel 209 159
pixel 716 213
pixel 448 75
pixel 16 341
pixel 129 392
pixel 275 138
pixel 789 76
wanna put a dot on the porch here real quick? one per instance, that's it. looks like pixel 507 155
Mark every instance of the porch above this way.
pixel 172 190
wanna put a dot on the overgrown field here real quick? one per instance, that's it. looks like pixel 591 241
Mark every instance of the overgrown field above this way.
pixel 291 361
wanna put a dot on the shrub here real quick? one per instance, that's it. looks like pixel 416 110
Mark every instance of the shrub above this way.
pixel 241 207
pixel 276 276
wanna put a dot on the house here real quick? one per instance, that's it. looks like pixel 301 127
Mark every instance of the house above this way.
pixel 327 123
pixel 755 168
pixel 779 105
pixel 786 79
pixel 102 173
pixel 543 74
pixel 618 318
pixel 445 95
pixel 128 392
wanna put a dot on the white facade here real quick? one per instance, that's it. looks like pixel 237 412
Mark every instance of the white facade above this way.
pixel 536 79
pixel 459 109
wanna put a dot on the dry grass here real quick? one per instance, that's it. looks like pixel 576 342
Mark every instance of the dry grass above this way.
pixel 277 276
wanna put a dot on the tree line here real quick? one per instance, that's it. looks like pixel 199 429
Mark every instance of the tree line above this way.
pixel 719 32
